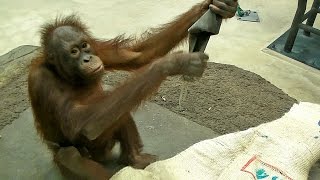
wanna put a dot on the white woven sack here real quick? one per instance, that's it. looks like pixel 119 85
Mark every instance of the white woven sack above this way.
pixel 283 149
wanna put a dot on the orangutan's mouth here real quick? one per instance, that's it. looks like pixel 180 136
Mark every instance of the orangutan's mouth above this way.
pixel 98 69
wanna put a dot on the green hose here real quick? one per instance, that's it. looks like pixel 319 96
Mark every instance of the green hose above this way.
pixel 240 12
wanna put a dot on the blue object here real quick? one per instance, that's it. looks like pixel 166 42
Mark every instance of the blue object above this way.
pixel 261 174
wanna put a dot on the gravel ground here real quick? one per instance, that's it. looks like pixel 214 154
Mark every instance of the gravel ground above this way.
pixel 226 99
pixel 13 83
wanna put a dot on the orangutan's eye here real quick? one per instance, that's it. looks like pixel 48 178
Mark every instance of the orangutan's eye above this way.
pixel 85 45
pixel 74 51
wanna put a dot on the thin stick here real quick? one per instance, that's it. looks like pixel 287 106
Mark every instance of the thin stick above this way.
pixel 183 93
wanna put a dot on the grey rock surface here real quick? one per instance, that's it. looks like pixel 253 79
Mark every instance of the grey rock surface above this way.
pixel 17 53
pixel 24 156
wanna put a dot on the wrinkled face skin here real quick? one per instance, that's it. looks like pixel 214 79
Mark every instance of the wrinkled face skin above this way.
pixel 74 58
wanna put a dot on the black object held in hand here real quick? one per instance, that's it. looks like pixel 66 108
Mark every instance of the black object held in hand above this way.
pixel 200 32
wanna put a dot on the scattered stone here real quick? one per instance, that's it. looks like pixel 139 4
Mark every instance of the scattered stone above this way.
pixel 150 127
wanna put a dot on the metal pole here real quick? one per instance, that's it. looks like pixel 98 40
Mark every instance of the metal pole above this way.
pixel 313 15
pixel 302 4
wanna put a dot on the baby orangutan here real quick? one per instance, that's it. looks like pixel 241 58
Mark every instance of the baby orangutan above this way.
pixel 77 119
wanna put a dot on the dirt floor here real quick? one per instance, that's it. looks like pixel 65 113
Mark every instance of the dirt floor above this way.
pixel 226 99
pixel 14 99
pixel 13 84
